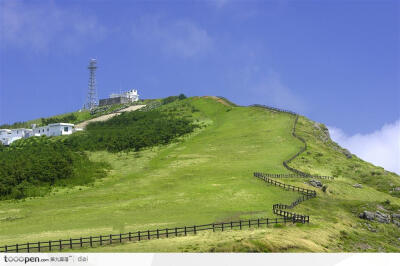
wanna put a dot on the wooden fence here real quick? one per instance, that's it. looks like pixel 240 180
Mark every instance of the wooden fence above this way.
pixel 274 109
pixel 94 241
pixel 278 209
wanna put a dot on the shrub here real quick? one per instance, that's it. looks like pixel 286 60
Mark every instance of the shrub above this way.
pixel 171 99
pixel 43 164
pixel 131 131
pixel 61 119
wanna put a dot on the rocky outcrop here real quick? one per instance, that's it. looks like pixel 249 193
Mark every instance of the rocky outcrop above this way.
pixel 324 136
pixel 315 183
pixel 382 218
pixel 367 215
pixel 377 216
pixel 357 185
pixel 396 215
pixel 346 153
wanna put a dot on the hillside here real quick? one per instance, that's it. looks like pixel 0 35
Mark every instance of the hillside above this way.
pixel 206 177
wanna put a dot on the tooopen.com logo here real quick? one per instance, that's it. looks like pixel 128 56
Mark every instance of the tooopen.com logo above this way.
pixel 21 259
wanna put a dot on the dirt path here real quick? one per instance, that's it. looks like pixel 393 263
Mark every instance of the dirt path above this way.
pixel 108 116
pixel 218 100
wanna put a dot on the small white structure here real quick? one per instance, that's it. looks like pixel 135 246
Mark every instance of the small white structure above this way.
pixel 8 136
pixel 5 135
pixel 56 129
pixel 132 95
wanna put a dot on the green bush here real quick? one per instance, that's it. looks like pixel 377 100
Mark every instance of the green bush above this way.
pixel 171 99
pixel 131 131
pixel 43 163
pixel 61 119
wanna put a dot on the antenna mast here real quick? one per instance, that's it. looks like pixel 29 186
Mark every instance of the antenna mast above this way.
pixel 92 100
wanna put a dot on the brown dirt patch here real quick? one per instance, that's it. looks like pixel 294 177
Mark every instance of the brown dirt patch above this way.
pixel 218 100
pixel 106 117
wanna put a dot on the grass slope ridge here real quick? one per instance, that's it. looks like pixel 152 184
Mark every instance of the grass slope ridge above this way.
pixel 197 180
pixel 166 232
pixel 207 177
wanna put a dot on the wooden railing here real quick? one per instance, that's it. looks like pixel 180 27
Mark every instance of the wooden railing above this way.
pixel 278 209
pixel 101 240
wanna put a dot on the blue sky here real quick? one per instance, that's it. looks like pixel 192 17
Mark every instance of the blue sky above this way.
pixel 336 62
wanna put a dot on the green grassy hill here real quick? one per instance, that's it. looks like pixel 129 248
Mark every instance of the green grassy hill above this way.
pixel 207 176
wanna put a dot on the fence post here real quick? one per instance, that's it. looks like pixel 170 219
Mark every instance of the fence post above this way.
pixel 70 243
pixel 37 245
pixel 194 229
pixel 249 223
pixel 148 234
pixel 222 226
pixel 120 237
pixel 101 240
pixel 213 227
pixel 16 247
pixel 158 233
pixel 176 232
pixel 267 222
pixel 258 222
pixel 81 242
pixel 185 231
pixel 139 235
pixel 167 232
pixel 5 249
pixel 231 225
pixel 110 239
pixel 240 224
pixel 60 245
pixel 50 245
pixel 90 240
pixel 276 220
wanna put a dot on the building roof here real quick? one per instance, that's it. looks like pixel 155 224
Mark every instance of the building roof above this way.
pixel 60 124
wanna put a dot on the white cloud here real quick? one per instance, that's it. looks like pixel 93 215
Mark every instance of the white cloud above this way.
pixel 381 147
pixel 37 26
pixel 219 3
pixel 182 37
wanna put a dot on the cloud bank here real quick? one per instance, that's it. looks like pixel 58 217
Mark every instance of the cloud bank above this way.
pixel 180 37
pixel 381 147
pixel 37 26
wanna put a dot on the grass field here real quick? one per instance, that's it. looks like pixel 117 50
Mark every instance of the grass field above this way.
pixel 203 178
pixel 208 177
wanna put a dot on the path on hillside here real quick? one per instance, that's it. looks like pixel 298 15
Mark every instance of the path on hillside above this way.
pixel 108 116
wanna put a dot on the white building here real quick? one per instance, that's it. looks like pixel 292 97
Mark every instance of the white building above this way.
pixel 5 135
pixel 132 95
pixel 57 129
pixel 8 136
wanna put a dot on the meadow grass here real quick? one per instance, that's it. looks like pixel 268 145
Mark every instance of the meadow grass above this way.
pixel 207 177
